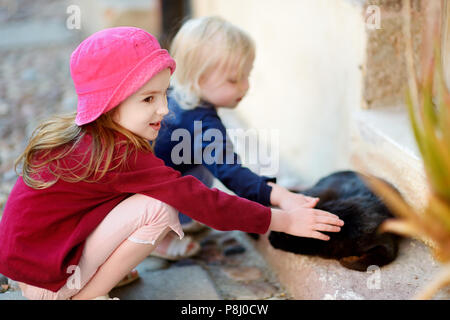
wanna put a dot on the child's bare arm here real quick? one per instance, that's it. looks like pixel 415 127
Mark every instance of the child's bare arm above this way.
pixel 305 222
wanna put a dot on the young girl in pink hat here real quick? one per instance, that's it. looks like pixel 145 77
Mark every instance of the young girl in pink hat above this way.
pixel 92 200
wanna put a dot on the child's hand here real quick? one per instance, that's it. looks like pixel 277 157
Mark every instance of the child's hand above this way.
pixel 287 200
pixel 292 201
pixel 305 222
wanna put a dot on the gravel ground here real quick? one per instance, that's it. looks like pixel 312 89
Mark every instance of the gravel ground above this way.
pixel 34 80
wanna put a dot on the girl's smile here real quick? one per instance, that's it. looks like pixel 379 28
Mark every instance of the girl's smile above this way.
pixel 156 125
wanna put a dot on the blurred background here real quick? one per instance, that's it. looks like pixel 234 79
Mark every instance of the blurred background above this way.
pixel 329 76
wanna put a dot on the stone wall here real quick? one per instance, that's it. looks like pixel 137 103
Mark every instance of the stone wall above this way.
pixel 384 68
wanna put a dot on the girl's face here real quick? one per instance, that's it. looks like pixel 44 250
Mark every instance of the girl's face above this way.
pixel 223 88
pixel 143 111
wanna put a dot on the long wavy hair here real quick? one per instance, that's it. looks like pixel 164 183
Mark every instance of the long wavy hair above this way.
pixel 58 137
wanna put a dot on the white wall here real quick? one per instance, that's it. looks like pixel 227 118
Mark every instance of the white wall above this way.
pixel 306 76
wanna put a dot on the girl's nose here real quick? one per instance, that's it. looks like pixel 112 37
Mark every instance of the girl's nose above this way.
pixel 163 108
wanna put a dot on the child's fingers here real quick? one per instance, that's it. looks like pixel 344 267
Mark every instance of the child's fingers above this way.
pixel 309 204
pixel 320 236
pixel 323 213
pixel 312 199
pixel 326 227
pixel 329 219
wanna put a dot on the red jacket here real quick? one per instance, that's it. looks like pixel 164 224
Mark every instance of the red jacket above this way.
pixel 42 232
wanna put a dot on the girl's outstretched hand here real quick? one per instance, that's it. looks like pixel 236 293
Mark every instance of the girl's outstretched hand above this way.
pixel 305 222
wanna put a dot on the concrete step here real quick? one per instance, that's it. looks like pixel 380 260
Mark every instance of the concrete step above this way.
pixel 382 144
pixel 306 277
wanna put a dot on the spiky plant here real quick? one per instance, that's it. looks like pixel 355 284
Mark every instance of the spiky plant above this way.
pixel 428 102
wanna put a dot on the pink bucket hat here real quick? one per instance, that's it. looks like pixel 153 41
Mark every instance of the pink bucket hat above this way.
pixel 112 64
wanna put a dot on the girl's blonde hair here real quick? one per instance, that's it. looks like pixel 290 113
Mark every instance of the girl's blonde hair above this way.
pixel 53 141
pixel 202 44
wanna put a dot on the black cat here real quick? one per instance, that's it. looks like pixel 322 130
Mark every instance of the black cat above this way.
pixel 358 245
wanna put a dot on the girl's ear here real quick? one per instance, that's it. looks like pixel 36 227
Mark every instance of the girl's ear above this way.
pixel 202 78
pixel 114 114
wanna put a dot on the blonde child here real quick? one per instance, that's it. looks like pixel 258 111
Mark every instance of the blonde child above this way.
pixel 214 61
pixel 92 200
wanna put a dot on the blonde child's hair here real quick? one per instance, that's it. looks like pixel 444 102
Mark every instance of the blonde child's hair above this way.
pixel 205 43
pixel 55 139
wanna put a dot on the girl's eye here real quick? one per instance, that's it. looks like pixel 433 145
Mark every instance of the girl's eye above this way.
pixel 148 99
pixel 233 81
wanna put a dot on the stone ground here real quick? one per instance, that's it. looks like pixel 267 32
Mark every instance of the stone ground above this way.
pixel 227 268
pixel 35 83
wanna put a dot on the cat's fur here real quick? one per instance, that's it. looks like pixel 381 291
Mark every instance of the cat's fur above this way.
pixel 358 245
